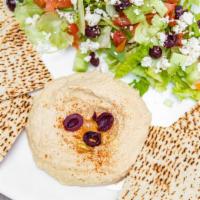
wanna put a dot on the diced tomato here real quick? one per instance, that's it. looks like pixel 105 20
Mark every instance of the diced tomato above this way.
pixel 172 23
pixel 76 41
pixel 179 39
pixel 122 21
pixel 51 5
pixel 197 85
pixel 171 10
pixel 172 1
pixel 118 38
pixel 73 30
pixel 40 3
pixel 121 46
pixel 149 17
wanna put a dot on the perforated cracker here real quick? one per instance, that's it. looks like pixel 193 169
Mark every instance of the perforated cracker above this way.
pixel 21 69
pixel 13 118
pixel 168 168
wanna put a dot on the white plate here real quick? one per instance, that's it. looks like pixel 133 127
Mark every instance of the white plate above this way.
pixel 20 179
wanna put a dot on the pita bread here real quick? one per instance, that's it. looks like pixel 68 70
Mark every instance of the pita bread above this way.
pixel 13 118
pixel 5 26
pixel 21 69
pixel 168 168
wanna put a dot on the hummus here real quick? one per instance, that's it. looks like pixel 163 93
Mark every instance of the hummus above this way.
pixel 62 153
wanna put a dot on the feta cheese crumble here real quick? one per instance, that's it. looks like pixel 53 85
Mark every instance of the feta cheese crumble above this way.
pixel 100 12
pixel 187 17
pixel 191 49
pixel 137 2
pixel 162 38
pixel 114 2
pixel 92 19
pixel 165 20
pixel 162 64
pixel 95 17
pixel 137 11
pixel 68 16
pixel 89 46
pixel 185 20
pixel 87 58
pixel 32 20
pixel 147 61
pixel 180 27
pixel 158 65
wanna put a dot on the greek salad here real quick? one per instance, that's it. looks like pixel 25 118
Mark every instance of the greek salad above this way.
pixel 158 41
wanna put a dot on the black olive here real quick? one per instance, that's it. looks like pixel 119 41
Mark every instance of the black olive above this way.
pixel 92 31
pixel 155 52
pixel 122 5
pixel 105 121
pixel 94 60
pixel 73 122
pixel 11 4
pixel 179 11
pixel 92 139
pixel 170 41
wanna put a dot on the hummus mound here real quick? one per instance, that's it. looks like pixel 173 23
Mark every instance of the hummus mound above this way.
pixel 63 154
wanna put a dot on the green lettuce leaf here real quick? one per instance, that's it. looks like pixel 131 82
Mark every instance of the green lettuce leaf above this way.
pixel 182 89
pixel 192 74
pixel 26 9
pixel 80 65
pixel 81 16
pixel 53 24
pixel 142 85
pixel 131 61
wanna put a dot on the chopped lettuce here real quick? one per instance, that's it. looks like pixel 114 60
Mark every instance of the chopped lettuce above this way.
pixel 144 32
pixel 56 27
pixel 182 90
pixel 104 38
pixel 132 60
pixel 133 16
pixel 178 59
pixel 189 3
pixel 111 10
pixel 50 22
pixel 43 27
pixel 141 34
pixel 159 7
pixel 194 27
pixel 142 85
pixel 80 65
pixel 113 58
pixel 81 16
pixel 146 8
pixel 192 74
pixel 159 23
pixel 107 22
pixel 159 80
pixel 25 10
